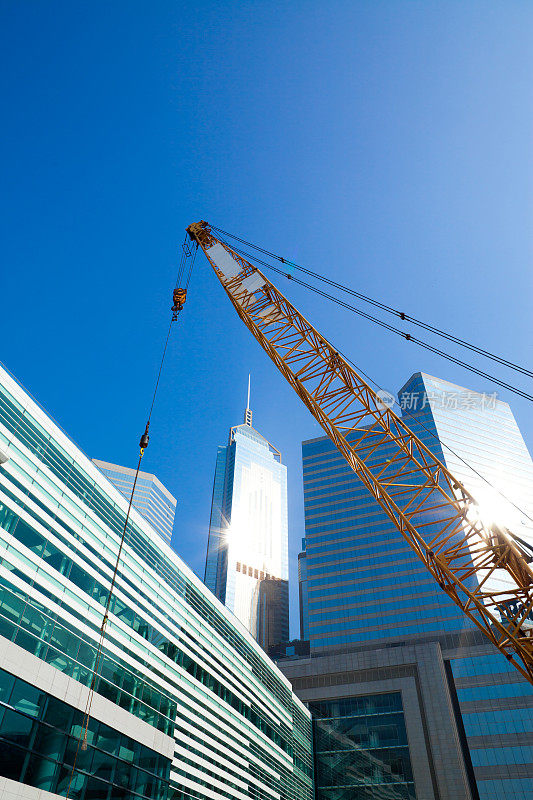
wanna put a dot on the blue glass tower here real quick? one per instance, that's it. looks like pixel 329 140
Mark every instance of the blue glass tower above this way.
pixel 370 598
pixel 364 581
pixel 247 551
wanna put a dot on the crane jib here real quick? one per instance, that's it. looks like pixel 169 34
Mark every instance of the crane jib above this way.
pixel 466 558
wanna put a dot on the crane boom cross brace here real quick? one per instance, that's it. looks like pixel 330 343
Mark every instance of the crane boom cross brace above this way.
pixel 403 475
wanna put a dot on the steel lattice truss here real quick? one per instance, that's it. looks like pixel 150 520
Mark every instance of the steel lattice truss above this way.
pixel 410 484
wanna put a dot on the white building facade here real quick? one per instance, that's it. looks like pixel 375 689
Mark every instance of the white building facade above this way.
pixel 187 705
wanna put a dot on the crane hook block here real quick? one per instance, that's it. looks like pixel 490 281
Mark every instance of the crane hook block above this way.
pixel 143 444
pixel 179 297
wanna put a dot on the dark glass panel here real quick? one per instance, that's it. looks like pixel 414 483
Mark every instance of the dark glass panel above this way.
pixel 16 728
pixel 33 620
pixel 125 775
pixel 8 518
pixel 7 682
pixel 73 752
pixel 147 760
pixel 96 789
pixel 27 641
pixel 108 690
pixel 41 773
pixel 50 743
pixel 56 559
pixel 6 628
pixel 127 749
pixel 77 785
pixel 103 766
pixel 58 660
pixel 82 579
pixel 108 740
pixel 28 537
pixel 87 654
pixel 27 698
pixel 11 761
pixel 58 714
pixel 12 605
pixel 64 641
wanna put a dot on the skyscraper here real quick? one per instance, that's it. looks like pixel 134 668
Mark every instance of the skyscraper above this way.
pixel 151 498
pixel 247 550
pixel 406 691
pixel 359 563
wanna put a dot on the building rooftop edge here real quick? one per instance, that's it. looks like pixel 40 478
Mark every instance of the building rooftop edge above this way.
pixel 129 471
pixel 414 375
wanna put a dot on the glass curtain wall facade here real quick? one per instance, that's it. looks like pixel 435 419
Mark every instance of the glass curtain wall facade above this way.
pixel 364 581
pixel 361 750
pixel 247 553
pixel 477 437
pixel 496 710
pixel 151 498
pixel 185 696
pixel 39 737
pixel 367 590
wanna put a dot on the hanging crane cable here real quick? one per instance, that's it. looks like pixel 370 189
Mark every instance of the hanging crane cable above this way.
pixel 179 297
pixel 383 306
pixel 407 336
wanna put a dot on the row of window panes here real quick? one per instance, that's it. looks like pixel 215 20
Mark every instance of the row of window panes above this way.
pixel 40 737
pixel 497 691
pixel 34 541
pixel 504 789
pixel 136 687
pixel 494 723
pixel 438 626
pixel 489 756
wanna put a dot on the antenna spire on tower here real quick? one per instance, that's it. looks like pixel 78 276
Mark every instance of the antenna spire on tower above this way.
pixel 248 412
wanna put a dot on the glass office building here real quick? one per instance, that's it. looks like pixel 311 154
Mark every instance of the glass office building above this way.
pixel 378 623
pixel 151 498
pixel 186 704
pixel 364 581
pixel 247 552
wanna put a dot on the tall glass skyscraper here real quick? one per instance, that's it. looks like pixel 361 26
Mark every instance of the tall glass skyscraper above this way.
pixel 187 706
pixel 151 498
pixel 247 551
pixel 364 581
pixel 386 640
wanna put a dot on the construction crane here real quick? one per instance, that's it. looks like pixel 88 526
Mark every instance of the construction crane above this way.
pixel 481 567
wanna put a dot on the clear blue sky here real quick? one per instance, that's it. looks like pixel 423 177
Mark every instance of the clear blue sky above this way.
pixel 386 144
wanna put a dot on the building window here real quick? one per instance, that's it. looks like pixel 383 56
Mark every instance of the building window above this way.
pixel 361 748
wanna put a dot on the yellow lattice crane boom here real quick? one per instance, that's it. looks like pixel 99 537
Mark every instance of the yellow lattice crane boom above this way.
pixel 481 567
